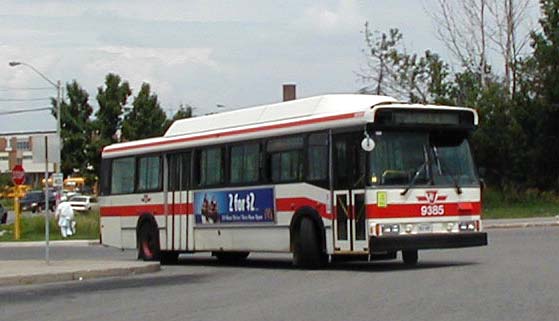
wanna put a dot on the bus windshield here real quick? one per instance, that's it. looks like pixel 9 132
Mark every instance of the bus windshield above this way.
pixel 421 158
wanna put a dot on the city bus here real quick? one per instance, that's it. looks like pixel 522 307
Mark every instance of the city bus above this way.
pixel 324 178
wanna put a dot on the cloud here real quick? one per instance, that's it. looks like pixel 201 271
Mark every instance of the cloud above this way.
pixel 165 56
pixel 343 17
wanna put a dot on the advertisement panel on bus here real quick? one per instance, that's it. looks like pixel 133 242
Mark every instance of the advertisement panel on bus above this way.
pixel 255 205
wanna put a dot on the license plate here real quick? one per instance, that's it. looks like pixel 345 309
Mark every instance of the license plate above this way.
pixel 425 228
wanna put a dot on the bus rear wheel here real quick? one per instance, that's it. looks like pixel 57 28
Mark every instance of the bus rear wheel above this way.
pixel 148 243
pixel 410 257
pixel 307 252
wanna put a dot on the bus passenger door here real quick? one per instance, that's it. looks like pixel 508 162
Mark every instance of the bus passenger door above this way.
pixel 349 195
pixel 177 201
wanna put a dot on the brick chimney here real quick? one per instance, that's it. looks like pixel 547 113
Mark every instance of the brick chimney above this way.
pixel 289 92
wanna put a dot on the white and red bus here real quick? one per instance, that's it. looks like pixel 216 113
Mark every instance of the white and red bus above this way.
pixel 334 176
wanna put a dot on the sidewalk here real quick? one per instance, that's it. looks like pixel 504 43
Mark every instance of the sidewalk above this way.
pixel 72 243
pixel 19 272
pixel 71 260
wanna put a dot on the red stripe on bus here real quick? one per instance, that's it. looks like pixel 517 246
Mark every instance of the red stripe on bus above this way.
pixel 414 210
pixel 294 203
pixel 282 204
pixel 132 210
pixel 137 210
pixel 238 132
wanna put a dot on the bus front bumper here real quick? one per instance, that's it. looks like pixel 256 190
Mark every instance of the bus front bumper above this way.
pixel 426 241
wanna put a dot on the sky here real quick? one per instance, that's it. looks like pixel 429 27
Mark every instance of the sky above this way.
pixel 202 53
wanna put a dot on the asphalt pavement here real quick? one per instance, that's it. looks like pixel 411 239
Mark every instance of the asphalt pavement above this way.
pixel 514 278
pixel 71 260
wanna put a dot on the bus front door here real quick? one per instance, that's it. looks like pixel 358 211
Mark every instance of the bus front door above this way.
pixel 177 202
pixel 349 195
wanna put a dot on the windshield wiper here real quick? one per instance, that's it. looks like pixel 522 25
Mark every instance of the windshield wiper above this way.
pixel 418 171
pixel 441 165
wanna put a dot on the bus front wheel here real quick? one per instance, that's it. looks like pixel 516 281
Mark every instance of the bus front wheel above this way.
pixel 307 252
pixel 410 257
pixel 148 243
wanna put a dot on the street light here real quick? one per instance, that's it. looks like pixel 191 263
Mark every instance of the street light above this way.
pixel 58 90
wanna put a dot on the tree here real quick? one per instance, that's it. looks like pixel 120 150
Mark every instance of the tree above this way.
pixel 508 17
pixel 146 119
pixel 381 51
pixel 184 111
pixel 421 79
pixel 462 27
pixel 470 28
pixel 111 99
pixel 75 129
pixel 546 92
pixel 391 71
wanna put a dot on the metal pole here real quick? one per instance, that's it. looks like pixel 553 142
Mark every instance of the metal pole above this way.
pixel 46 200
pixel 17 211
pixel 58 134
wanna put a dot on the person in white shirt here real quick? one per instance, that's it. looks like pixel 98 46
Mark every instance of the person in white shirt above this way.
pixel 65 215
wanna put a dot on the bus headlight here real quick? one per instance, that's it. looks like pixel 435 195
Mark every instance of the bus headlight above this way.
pixel 466 226
pixel 409 228
pixel 449 227
pixel 391 229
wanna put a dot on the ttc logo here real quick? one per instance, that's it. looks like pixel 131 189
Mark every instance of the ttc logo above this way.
pixel 432 210
pixel 146 198
pixel 431 197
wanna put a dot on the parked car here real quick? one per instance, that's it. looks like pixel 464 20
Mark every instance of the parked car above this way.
pixel 67 195
pixel 34 201
pixel 3 214
pixel 80 203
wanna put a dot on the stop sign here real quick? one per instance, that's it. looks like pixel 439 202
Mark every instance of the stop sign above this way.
pixel 18 175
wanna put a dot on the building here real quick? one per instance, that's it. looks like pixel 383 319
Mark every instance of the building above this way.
pixel 17 148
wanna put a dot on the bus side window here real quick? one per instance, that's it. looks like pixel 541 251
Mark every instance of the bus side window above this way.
pixel 105 179
pixel 285 159
pixel 179 171
pixel 149 170
pixel 210 166
pixel 317 157
pixel 123 171
pixel 244 163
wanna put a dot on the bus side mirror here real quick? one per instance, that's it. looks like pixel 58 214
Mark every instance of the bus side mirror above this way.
pixel 368 144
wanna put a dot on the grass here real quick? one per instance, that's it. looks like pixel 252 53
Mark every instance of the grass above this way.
pixel 33 228
pixel 511 204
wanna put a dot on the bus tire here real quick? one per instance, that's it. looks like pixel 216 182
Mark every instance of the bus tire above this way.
pixel 410 257
pixel 169 257
pixel 148 242
pixel 231 257
pixel 307 252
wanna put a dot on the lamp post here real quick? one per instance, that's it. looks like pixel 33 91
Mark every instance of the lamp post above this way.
pixel 57 166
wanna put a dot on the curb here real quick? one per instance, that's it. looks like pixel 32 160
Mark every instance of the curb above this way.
pixel 77 275
pixel 73 243
pixel 519 225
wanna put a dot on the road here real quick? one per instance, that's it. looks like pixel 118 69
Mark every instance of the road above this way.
pixel 515 278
